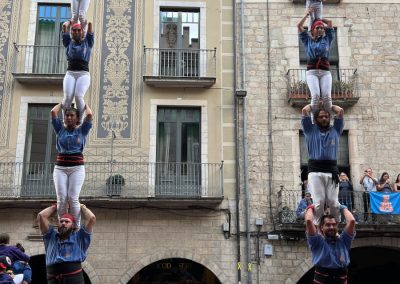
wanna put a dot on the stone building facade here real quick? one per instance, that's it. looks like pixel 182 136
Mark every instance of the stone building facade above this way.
pixel 155 61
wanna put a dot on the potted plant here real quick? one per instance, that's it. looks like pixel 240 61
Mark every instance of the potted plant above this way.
pixel 114 185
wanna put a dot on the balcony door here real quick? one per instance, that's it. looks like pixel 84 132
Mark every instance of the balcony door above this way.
pixel 49 52
pixel 40 153
pixel 179 43
pixel 178 167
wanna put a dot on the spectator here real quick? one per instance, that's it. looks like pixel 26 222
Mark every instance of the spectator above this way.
pixel 12 252
pixel 22 267
pixel 396 186
pixel 384 184
pixel 345 192
pixel 301 209
pixel 5 264
pixel 369 184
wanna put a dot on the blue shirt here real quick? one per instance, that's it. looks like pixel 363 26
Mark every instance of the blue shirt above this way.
pixel 70 142
pixel 369 184
pixel 22 268
pixel 317 48
pixel 72 249
pixel 78 51
pixel 330 255
pixel 322 145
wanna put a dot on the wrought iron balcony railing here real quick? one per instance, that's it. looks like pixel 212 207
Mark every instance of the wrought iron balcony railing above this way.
pixel 345 89
pixel 172 66
pixel 357 201
pixel 119 180
pixel 39 62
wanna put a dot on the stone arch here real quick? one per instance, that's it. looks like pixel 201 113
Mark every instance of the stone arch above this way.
pixel 305 266
pixel 87 267
pixel 145 261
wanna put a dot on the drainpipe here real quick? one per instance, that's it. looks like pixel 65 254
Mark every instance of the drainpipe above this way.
pixel 237 168
pixel 245 148
pixel 270 144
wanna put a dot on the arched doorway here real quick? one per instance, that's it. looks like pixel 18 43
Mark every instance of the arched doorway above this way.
pixel 369 265
pixel 38 265
pixel 175 271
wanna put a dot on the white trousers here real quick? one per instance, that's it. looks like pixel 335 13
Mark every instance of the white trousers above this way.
pixel 68 182
pixel 79 10
pixel 75 85
pixel 324 191
pixel 316 14
pixel 320 84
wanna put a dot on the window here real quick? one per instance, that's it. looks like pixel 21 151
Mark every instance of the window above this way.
pixel 333 56
pixel 178 169
pixel 40 152
pixel 49 52
pixel 179 42
pixel 342 155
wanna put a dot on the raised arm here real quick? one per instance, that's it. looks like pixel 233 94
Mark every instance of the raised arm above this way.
pixel 300 25
pixel 89 217
pixel 89 113
pixel 55 110
pixel 328 23
pixel 308 217
pixel 306 111
pixel 339 112
pixel 350 221
pixel 43 218
pixel 90 27
pixel 65 26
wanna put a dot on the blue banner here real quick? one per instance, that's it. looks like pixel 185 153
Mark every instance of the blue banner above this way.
pixel 385 202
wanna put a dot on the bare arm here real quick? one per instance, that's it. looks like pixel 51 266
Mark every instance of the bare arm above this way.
pixel 55 110
pixel 327 22
pixel 350 222
pixel 90 27
pixel 89 113
pixel 306 111
pixel 338 111
pixel 43 218
pixel 300 25
pixel 308 217
pixel 65 26
pixel 89 217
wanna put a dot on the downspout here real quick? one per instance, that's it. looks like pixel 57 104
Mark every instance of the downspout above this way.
pixel 237 168
pixel 270 144
pixel 245 148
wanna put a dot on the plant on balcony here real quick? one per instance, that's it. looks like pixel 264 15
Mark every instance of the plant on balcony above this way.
pixel 341 89
pixel 114 185
pixel 299 89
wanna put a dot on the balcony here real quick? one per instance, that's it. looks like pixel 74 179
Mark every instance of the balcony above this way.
pixel 180 68
pixel 345 90
pixel 128 184
pixel 368 224
pixel 35 64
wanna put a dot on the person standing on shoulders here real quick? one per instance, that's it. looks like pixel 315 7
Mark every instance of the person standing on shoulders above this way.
pixel 317 46
pixel 66 248
pixel 322 144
